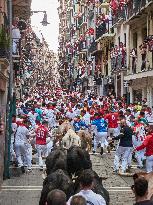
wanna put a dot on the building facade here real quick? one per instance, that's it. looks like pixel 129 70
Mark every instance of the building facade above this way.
pixel 133 23
pixel 9 63
pixel 85 45
pixel 4 68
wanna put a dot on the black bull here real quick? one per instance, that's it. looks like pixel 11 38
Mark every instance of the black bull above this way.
pixel 61 166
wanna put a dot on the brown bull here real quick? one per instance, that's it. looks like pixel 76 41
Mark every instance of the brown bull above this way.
pixel 86 139
pixel 61 131
pixel 64 127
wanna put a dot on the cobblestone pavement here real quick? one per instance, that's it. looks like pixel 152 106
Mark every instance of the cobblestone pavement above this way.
pixel 25 190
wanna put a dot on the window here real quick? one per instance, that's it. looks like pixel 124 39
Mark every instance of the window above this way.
pixel 125 39
pixel 144 33
pixel 135 37
pixel 119 40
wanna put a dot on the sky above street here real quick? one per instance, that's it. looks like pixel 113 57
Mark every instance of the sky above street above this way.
pixel 51 31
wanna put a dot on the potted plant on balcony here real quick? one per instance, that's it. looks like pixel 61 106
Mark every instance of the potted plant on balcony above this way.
pixel 4 43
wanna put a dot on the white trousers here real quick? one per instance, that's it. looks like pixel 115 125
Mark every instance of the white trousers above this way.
pixel 130 159
pixel 49 146
pixel 122 154
pixel 140 156
pixel 113 132
pixel 12 151
pixel 101 138
pixel 149 164
pixel 41 151
pixel 23 154
pixel 51 122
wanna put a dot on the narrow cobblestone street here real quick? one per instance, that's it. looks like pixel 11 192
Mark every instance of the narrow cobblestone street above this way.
pixel 26 189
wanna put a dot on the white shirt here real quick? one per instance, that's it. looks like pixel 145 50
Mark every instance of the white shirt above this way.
pixel 50 113
pixel 70 115
pixel 86 118
pixel 149 117
pixel 77 112
pixel 91 197
pixel 15 33
pixel 21 135
pixel 14 128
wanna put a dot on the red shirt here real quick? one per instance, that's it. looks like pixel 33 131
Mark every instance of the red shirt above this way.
pixel 148 144
pixel 41 135
pixel 101 111
pixel 112 119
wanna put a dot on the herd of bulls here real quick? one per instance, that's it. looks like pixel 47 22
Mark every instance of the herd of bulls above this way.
pixel 66 162
pixel 63 169
pixel 65 136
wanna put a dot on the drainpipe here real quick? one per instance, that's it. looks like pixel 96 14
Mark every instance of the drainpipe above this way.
pixel 9 100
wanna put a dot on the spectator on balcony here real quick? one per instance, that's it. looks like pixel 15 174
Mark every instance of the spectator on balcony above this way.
pixel 143 48
pixel 113 59
pixel 122 51
pixel 116 56
pixel 133 55
pixel 15 35
pixel 119 58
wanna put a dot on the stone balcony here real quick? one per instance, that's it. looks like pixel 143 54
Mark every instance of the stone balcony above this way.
pixel 93 47
pixel 104 3
pixel 139 75
pixel 104 30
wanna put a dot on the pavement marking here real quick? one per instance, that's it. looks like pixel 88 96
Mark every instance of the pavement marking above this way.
pixel 29 186
pixel 119 190
pixel 18 189
pixel 22 186
pixel 33 167
pixel 39 188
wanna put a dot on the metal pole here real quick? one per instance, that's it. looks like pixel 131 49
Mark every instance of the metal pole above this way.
pixel 9 100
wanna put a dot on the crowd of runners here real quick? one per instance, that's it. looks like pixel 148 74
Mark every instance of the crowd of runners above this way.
pixel 113 124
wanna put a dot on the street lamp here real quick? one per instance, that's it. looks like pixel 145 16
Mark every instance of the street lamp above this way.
pixel 44 22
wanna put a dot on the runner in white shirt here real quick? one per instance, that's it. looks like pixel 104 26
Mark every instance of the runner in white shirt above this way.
pixel 14 128
pixel 86 117
pixel 23 147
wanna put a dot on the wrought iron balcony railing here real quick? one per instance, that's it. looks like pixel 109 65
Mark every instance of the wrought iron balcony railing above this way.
pixel 81 21
pixel 104 28
pixel 129 10
pixel 93 47
pixel 82 45
pixel 120 16
pixel 119 61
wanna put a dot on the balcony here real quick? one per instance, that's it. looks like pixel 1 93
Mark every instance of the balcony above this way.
pixel 118 59
pixel 133 9
pixel 82 21
pixel 104 3
pixel 93 47
pixel 141 65
pixel 139 75
pixel 119 17
pixel 104 29
pixel 82 45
